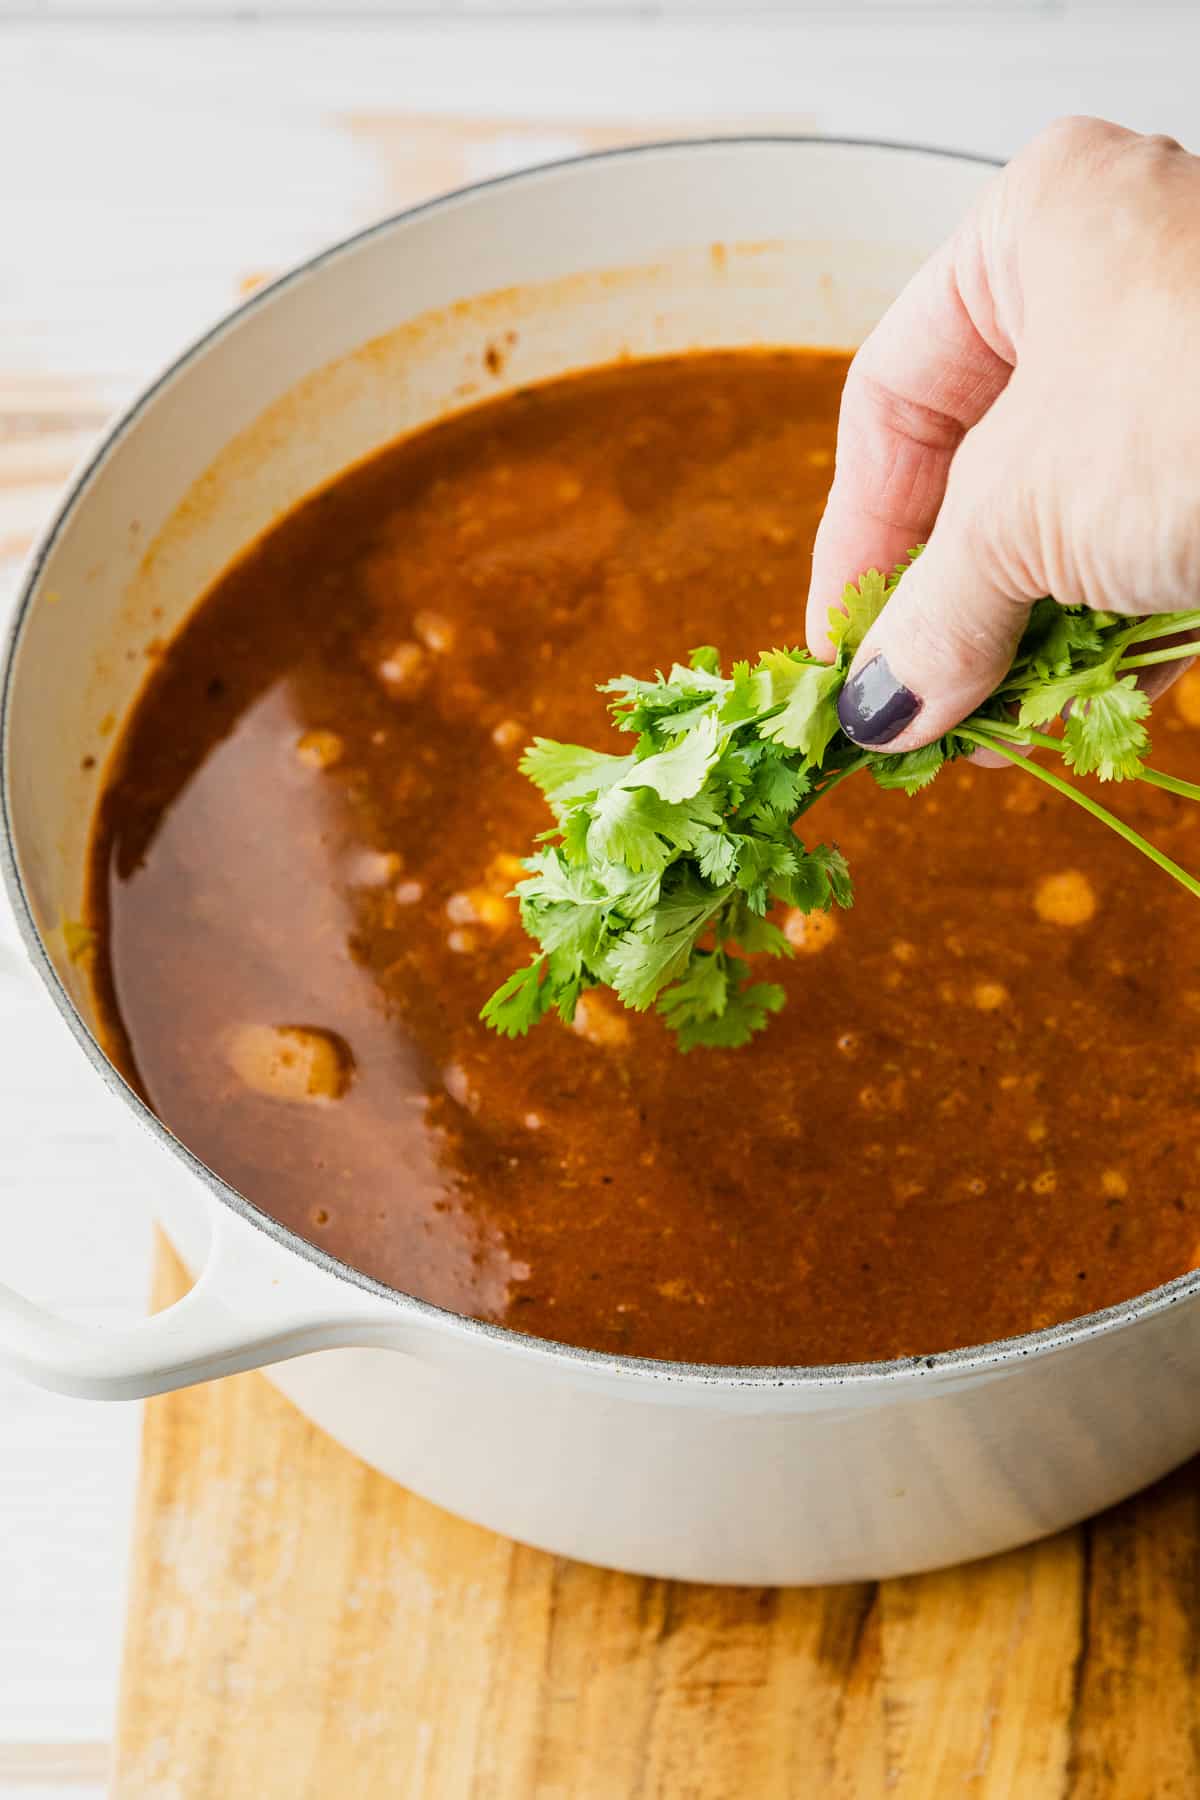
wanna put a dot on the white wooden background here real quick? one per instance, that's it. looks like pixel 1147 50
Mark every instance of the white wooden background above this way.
pixel 148 165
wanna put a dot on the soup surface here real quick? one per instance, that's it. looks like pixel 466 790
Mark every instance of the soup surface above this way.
pixel 975 1115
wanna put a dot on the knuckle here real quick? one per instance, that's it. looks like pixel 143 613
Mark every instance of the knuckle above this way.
pixel 1159 143
pixel 1149 174
pixel 1109 542
pixel 1066 160
pixel 1074 136
pixel 1096 179
pixel 902 417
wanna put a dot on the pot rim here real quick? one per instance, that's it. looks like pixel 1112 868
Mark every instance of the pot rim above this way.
pixel 968 1360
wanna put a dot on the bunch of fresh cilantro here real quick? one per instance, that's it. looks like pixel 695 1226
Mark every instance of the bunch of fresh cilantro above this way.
pixel 659 874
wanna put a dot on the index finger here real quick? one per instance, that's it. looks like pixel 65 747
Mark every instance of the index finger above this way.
pixel 931 368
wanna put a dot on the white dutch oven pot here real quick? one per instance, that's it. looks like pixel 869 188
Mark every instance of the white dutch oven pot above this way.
pixel 737 1475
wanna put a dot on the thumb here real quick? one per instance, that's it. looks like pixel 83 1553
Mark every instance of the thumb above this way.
pixel 946 637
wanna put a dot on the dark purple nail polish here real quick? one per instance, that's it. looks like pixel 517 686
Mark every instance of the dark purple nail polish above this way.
pixel 874 707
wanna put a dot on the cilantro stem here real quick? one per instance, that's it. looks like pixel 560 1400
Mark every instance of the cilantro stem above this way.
pixel 1173 653
pixel 1159 627
pixel 860 762
pixel 1041 740
pixel 1089 805
pixel 1170 784
pixel 1014 733
pixel 829 782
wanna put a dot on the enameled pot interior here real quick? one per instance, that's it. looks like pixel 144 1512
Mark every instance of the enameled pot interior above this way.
pixel 640 253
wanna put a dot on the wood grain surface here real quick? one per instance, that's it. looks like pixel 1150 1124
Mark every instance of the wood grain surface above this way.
pixel 302 1629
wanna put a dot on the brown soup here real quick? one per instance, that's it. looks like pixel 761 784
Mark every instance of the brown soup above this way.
pixel 975 1115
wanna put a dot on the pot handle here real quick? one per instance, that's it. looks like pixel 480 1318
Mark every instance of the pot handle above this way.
pixel 241 1313
pixel 237 1316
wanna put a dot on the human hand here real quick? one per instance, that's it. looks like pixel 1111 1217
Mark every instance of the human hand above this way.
pixel 1033 391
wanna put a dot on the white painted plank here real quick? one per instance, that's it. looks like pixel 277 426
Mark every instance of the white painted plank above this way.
pixel 261 87
pixel 76 1235
pixel 66 1495
pixel 323 10
pixel 54 1772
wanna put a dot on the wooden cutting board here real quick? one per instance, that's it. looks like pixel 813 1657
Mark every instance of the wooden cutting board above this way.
pixel 302 1629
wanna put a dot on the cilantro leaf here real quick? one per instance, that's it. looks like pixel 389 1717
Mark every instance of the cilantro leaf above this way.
pixel 656 951
pixel 678 773
pixel 1106 736
pixel 637 828
pixel 809 691
pixel 519 1002
pixel 747 695
pixel 757 936
pixel 775 789
pixel 1055 636
pixel 859 607
pixel 717 854
pixel 574 831
pixel 821 879
pixel 911 771
pixel 711 1005
pixel 746 1012
pixel 701 992
pixel 1042 704
pixel 569 771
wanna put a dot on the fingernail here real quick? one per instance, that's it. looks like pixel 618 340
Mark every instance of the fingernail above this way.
pixel 874 707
